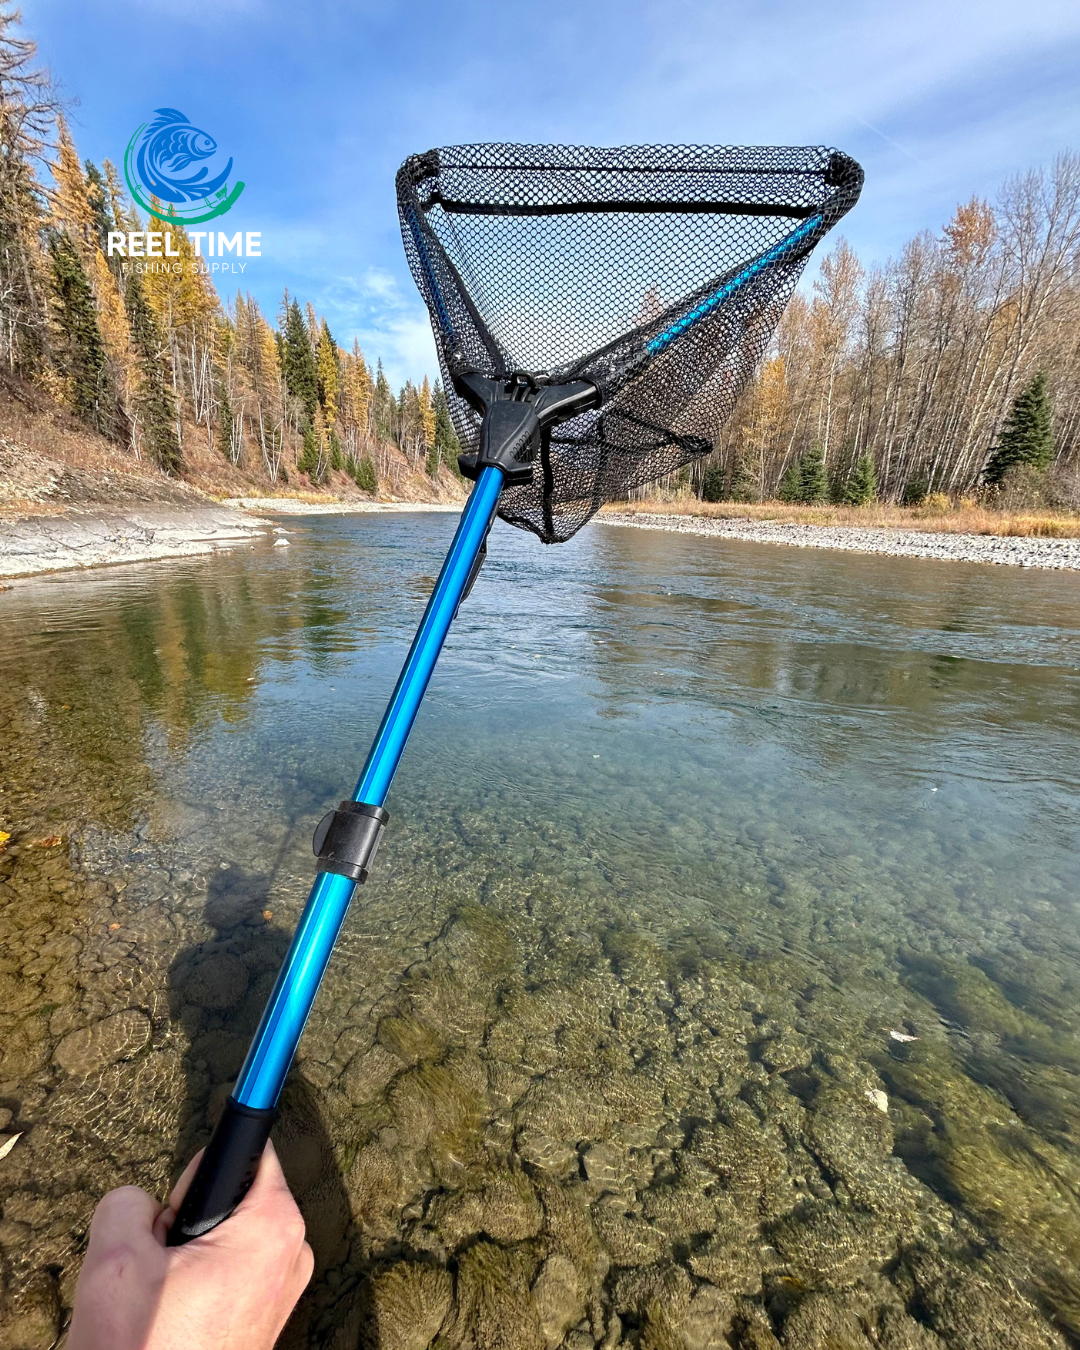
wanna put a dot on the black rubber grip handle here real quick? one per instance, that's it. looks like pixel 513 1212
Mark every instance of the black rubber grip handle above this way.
pixel 226 1172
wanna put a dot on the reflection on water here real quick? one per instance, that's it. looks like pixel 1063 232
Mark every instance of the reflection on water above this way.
pixel 718 985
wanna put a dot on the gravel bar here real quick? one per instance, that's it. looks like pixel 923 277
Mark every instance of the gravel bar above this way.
pixel 980 548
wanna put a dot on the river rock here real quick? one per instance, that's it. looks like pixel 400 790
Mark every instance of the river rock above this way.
pixel 120 1036
pixel 408 1305
pixel 217 981
pixel 558 1298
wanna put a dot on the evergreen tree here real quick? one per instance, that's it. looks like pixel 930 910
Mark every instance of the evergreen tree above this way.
pixel 153 400
pixel 915 489
pixel 337 458
pixel 385 407
pixel 743 484
pixel 861 487
pixel 1027 436
pixel 365 477
pixel 225 417
pixel 308 461
pixel 791 484
pixel 81 352
pixel 97 194
pixel 712 484
pixel 447 447
pixel 298 359
pixel 815 480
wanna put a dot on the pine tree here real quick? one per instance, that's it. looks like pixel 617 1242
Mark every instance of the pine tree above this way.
pixel 712 484
pixel 815 479
pixel 365 477
pixel 744 486
pixel 384 406
pixel 308 462
pixel 446 446
pixel 1027 436
pixel 915 489
pixel 153 399
pixel 861 486
pixel 82 359
pixel 97 194
pixel 298 358
pixel 791 484
pixel 337 458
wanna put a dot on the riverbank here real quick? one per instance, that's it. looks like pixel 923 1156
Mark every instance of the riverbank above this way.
pixel 1007 550
pixel 84 539
pixel 292 506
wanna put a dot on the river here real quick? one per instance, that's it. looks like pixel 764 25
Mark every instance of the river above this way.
pixel 717 985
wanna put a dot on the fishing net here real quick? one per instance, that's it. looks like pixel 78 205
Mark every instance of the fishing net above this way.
pixel 658 273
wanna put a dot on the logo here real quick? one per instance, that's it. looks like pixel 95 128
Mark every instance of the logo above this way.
pixel 158 162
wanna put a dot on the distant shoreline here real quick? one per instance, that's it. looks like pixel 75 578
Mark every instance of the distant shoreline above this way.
pixel 81 539
pixel 291 506
pixel 1001 550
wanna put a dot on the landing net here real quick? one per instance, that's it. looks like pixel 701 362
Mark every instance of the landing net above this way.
pixel 656 272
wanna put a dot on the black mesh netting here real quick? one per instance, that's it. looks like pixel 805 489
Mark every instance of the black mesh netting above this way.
pixel 656 272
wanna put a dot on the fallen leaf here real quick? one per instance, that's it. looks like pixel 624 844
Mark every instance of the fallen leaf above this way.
pixel 268 913
pixel 5 835
pixel 9 1144
pixel 50 841
pixel 113 927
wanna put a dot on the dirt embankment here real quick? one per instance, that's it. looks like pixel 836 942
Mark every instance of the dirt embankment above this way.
pixel 72 499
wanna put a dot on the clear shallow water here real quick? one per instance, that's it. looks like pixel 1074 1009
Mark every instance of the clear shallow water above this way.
pixel 685 830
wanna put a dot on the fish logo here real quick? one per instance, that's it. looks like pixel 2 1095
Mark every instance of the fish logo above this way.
pixel 164 160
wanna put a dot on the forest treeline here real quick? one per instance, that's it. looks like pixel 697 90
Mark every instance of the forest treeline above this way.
pixel 953 369
pixel 149 357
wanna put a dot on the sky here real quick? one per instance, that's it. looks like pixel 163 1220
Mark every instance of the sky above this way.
pixel 319 103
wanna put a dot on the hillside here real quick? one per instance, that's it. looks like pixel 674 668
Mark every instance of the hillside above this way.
pixel 50 463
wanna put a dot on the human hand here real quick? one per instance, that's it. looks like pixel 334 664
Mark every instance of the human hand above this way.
pixel 232 1287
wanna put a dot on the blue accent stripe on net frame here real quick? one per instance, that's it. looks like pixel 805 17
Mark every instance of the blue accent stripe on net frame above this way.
pixel 725 292
pixel 429 272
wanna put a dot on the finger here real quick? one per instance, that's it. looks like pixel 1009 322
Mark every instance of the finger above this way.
pixel 123 1216
pixel 176 1195
pixel 268 1208
pixel 167 1217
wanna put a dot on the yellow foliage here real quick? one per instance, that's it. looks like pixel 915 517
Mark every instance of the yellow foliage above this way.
pixel 180 299
pixel 326 360
pixel 427 414
pixel 113 323
pixel 70 203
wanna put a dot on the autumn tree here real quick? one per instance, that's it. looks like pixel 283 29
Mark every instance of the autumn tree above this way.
pixel 28 108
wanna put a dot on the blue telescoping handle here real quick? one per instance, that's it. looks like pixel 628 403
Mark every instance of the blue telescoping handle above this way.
pixel 231 1159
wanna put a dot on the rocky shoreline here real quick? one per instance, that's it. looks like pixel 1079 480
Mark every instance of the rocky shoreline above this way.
pixel 981 548
pixel 76 540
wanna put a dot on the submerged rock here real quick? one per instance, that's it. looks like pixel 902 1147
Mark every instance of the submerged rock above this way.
pixel 114 1038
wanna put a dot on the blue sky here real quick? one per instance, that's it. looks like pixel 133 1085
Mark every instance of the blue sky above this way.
pixel 318 104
